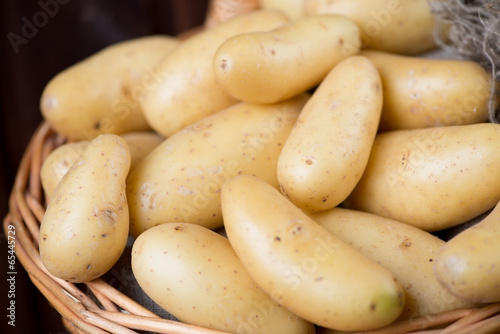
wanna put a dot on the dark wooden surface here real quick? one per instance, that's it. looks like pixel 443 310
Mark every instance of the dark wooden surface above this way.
pixel 39 39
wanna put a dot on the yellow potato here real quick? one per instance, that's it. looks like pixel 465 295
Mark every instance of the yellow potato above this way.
pixel 432 178
pixel 271 66
pixel 398 26
pixel 180 180
pixel 294 9
pixel 303 266
pixel 194 274
pixel 141 144
pixel 468 264
pixel 422 92
pixel 101 94
pixel 57 164
pixel 85 227
pixel 408 252
pixel 328 149
pixel 188 91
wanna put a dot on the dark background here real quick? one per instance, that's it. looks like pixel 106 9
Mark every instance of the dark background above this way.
pixel 69 31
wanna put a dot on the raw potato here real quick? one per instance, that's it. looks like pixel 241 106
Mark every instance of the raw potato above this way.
pixel 432 178
pixel 180 180
pixel 101 94
pixel 294 9
pixel 398 26
pixel 303 266
pixel 85 227
pixel 328 149
pixel 422 92
pixel 188 91
pixel 57 164
pixel 468 264
pixel 271 66
pixel 141 144
pixel 194 274
pixel 408 252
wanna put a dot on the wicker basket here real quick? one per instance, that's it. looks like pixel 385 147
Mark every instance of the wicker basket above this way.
pixel 97 307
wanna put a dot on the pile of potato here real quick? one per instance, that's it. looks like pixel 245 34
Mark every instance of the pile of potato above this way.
pixel 280 172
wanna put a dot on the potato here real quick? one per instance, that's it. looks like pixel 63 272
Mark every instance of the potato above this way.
pixel 398 26
pixel 194 274
pixel 85 227
pixel 408 252
pixel 432 178
pixel 57 164
pixel 423 92
pixel 271 66
pixel 328 148
pixel 180 180
pixel 101 93
pixel 468 264
pixel 303 266
pixel 188 91
pixel 141 144
pixel 294 9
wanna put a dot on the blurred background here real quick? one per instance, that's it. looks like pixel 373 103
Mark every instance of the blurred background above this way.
pixel 39 39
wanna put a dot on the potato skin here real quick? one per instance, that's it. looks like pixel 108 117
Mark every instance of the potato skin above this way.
pixel 272 66
pixel 188 91
pixel 194 274
pixel 303 266
pixel 408 252
pixel 327 150
pixel 468 264
pixel 180 180
pixel 421 92
pixel 85 227
pixel 140 144
pixel 398 26
pixel 425 177
pixel 57 164
pixel 101 93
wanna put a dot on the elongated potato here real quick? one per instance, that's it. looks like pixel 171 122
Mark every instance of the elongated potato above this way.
pixel 187 90
pixel 426 177
pixel 85 227
pixel 398 26
pixel 194 274
pixel 408 252
pixel 329 146
pixel 303 266
pixel 180 180
pixel 468 264
pixel 57 164
pixel 102 93
pixel 422 92
pixel 271 66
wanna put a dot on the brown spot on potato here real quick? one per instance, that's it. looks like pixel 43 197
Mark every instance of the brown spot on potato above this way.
pixel 309 162
pixel 406 243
